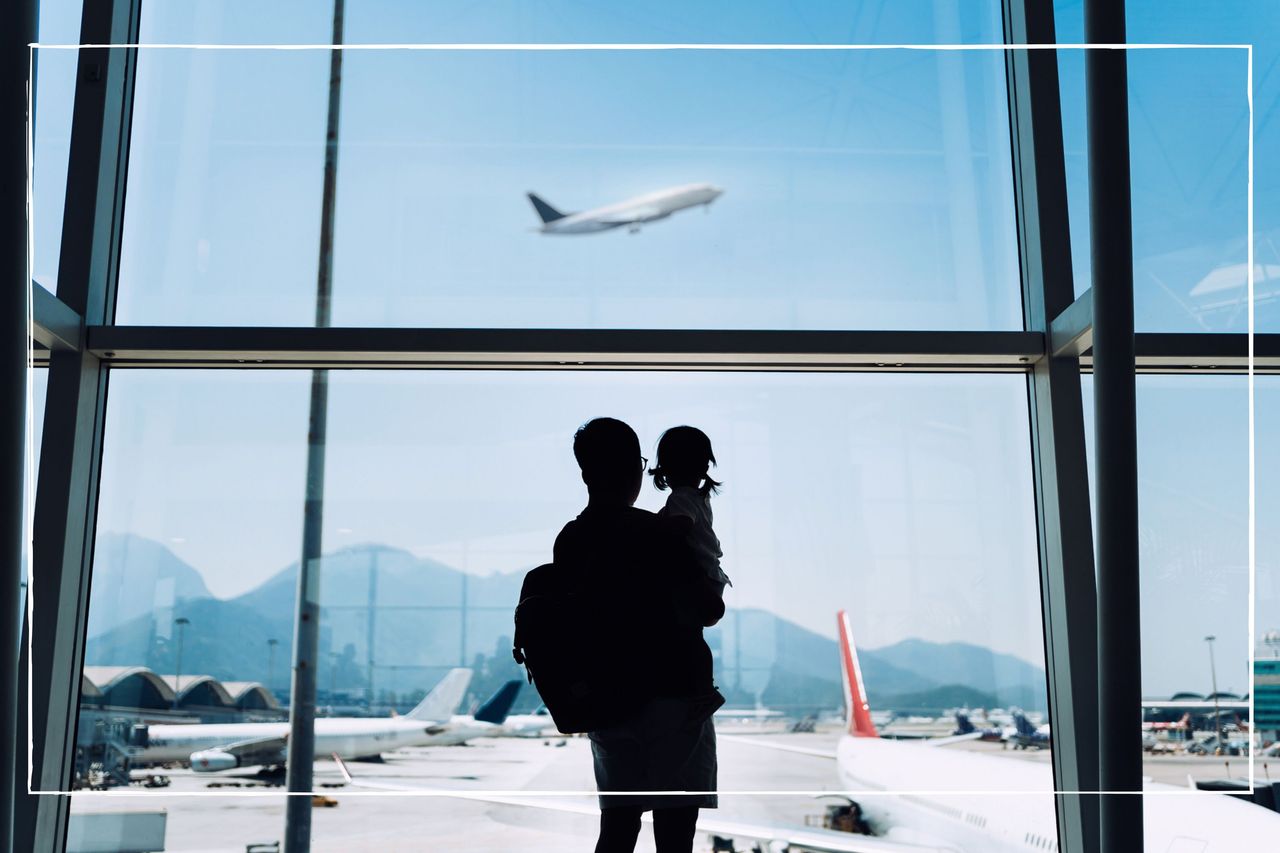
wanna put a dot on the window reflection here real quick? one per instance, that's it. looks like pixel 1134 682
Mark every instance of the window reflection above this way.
pixel 55 76
pixel 1193 498
pixel 1189 136
pixel 863 189
pixel 902 499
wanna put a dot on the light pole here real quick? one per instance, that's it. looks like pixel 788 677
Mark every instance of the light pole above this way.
pixel 1213 674
pixel 300 753
pixel 182 622
pixel 333 680
pixel 271 663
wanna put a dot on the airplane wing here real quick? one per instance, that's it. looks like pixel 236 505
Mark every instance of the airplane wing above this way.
pixel 263 750
pixel 776 837
pixel 949 739
pixel 257 746
pixel 824 753
pixel 781 747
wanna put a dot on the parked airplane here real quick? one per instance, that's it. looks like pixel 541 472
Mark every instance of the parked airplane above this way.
pixel 965 726
pixel 1027 736
pixel 221 746
pixel 943 808
pixel 488 720
pixel 630 214
pixel 528 725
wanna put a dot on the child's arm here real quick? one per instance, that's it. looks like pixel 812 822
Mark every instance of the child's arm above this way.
pixel 677 525
pixel 697 599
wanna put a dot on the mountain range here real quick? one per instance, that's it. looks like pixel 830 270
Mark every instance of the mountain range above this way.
pixel 429 617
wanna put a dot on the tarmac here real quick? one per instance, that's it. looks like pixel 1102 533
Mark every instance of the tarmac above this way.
pixel 233 810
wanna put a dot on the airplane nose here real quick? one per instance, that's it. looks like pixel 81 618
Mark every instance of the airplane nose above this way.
pixel 717 191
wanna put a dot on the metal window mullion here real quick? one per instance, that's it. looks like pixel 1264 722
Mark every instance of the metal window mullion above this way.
pixel 14 115
pixel 1115 430
pixel 660 349
pixel 67 484
pixel 1068 595
pixel 423 347
pixel 66 498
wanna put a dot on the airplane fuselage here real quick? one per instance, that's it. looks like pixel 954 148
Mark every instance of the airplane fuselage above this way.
pixel 527 725
pixel 634 212
pixel 348 737
pixel 975 822
pixel 463 728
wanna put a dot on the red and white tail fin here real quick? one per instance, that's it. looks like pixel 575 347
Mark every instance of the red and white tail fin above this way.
pixel 857 711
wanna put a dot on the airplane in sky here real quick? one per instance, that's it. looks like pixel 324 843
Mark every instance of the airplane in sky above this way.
pixel 921 797
pixel 210 747
pixel 629 214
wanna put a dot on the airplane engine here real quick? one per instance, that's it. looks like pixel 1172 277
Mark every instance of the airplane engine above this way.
pixel 210 760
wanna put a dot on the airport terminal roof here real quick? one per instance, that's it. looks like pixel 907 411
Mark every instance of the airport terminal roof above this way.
pixel 199 690
pixel 250 695
pixel 129 686
pixel 139 687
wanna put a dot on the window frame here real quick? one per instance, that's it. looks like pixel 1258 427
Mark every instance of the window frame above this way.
pixel 74 335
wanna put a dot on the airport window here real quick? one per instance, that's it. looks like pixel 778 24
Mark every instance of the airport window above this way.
pixel 51 136
pixel 1194 553
pixel 909 495
pixel 835 263
pixel 1189 138
pixel 875 504
pixel 867 191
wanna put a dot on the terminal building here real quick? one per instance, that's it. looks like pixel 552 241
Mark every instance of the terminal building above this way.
pixel 198 698
pixel 1266 698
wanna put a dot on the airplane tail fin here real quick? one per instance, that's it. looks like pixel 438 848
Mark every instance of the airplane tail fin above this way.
pixel 1022 724
pixel 545 211
pixel 495 710
pixel 964 725
pixel 858 712
pixel 443 700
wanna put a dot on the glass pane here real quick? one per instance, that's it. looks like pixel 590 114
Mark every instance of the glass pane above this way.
pixel 1193 494
pixel 55 72
pixel 904 500
pixel 860 190
pixel 226 455
pixel 237 22
pixel 1189 158
pixel 662 21
pixel 566 21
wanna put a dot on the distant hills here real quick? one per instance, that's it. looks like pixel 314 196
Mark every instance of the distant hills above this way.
pixel 420 628
pixel 133 576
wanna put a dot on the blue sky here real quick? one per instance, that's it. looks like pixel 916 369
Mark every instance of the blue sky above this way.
pixel 864 191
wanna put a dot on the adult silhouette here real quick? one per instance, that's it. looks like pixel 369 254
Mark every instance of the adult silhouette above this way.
pixel 642 573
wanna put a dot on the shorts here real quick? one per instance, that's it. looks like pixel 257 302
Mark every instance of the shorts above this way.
pixel 660 749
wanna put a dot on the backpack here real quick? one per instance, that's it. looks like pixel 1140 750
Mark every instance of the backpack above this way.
pixel 562 638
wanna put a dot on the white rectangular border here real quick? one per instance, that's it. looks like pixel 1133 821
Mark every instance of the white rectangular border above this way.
pixel 572 47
